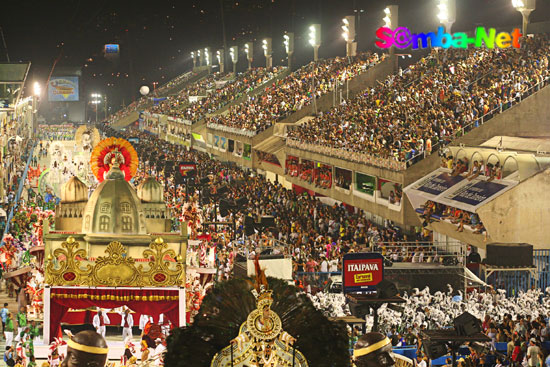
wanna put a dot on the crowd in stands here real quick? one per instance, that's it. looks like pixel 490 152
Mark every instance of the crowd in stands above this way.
pixel 290 94
pixel 308 230
pixel 211 93
pixel 441 96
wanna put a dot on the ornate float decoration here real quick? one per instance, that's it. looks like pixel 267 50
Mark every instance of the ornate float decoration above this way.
pixel 162 269
pixel 112 151
pixel 261 342
pixel 86 138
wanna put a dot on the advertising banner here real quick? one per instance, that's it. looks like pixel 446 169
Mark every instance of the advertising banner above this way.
pixel 362 271
pixel 187 168
pixel 63 89
pixel 223 143
pixel 365 183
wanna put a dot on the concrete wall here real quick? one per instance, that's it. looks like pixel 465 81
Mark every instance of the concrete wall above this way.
pixel 522 214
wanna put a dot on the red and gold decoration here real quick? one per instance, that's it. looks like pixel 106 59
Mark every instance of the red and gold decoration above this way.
pixel 163 269
pixel 114 150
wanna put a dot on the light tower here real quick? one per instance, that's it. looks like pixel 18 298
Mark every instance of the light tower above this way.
pixel 221 60
pixel 315 39
pixel 249 51
pixel 289 47
pixel 201 57
pixel 207 56
pixel 447 13
pixel 391 20
pixel 348 28
pixel 525 7
pixel 268 52
pixel 194 59
pixel 234 54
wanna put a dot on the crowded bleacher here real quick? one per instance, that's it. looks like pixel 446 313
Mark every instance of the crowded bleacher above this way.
pixel 435 100
pixel 290 94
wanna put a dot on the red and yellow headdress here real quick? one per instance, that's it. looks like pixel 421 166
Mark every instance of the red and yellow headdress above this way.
pixel 100 165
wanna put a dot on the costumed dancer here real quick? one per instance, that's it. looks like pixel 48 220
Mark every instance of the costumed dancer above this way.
pixel 86 348
pixel 54 359
pixel 143 321
pixel 100 321
pixel 8 330
pixel 127 322
pixel 128 352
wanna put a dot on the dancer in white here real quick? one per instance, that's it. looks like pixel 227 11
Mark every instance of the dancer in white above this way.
pixel 127 322
pixel 100 321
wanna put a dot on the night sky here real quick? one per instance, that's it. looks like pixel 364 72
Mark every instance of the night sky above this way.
pixel 156 37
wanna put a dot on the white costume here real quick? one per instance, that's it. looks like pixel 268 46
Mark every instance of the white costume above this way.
pixel 143 320
pixel 127 321
pixel 100 325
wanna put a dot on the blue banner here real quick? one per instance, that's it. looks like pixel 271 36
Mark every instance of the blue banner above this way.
pixel 438 184
pixel 63 89
pixel 476 193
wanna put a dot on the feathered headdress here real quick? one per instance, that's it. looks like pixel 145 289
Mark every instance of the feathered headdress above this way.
pixel 127 158
pixel 261 292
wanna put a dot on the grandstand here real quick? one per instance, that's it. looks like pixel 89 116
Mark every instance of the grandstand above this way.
pixel 374 129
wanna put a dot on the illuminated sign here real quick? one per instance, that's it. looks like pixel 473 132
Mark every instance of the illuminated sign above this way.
pixel 112 48
pixel 63 89
pixel 187 168
pixel 362 271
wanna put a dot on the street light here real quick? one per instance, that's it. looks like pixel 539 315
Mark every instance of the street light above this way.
pixel 348 33
pixel 96 99
pixel 447 13
pixel 234 54
pixel 221 60
pixel 194 59
pixel 289 47
pixel 267 47
pixel 525 7
pixel 315 39
pixel 37 89
pixel 248 50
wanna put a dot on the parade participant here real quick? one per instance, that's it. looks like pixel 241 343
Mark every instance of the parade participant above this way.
pixel 127 322
pixel 144 351
pixel 128 352
pixel 4 314
pixel 54 359
pixel 34 330
pixel 8 330
pixel 373 350
pixel 100 321
pixel 143 320
pixel 21 321
pixel 86 349
pixel 158 353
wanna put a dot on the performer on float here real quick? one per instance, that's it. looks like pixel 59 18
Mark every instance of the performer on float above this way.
pixel 127 322
pixel 158 353
pixel 100 321
pixel 128 352
pixel 86 348
pixel 143 321
pixel 54 359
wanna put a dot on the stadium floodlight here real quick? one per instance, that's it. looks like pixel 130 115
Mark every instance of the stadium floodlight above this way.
pixel 348 28
pixel 446 13
pixel 268 51
pixel 315 39
pixel 249 51
pixel 200 55
pixel 288 42
pixel 387 17
pixel 234 54
pixel 207 56
pixel 220 55
pixel 525 7
pixel 193 58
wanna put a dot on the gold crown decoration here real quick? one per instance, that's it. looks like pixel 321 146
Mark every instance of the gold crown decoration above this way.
pixel 264 299
pixel 116 269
